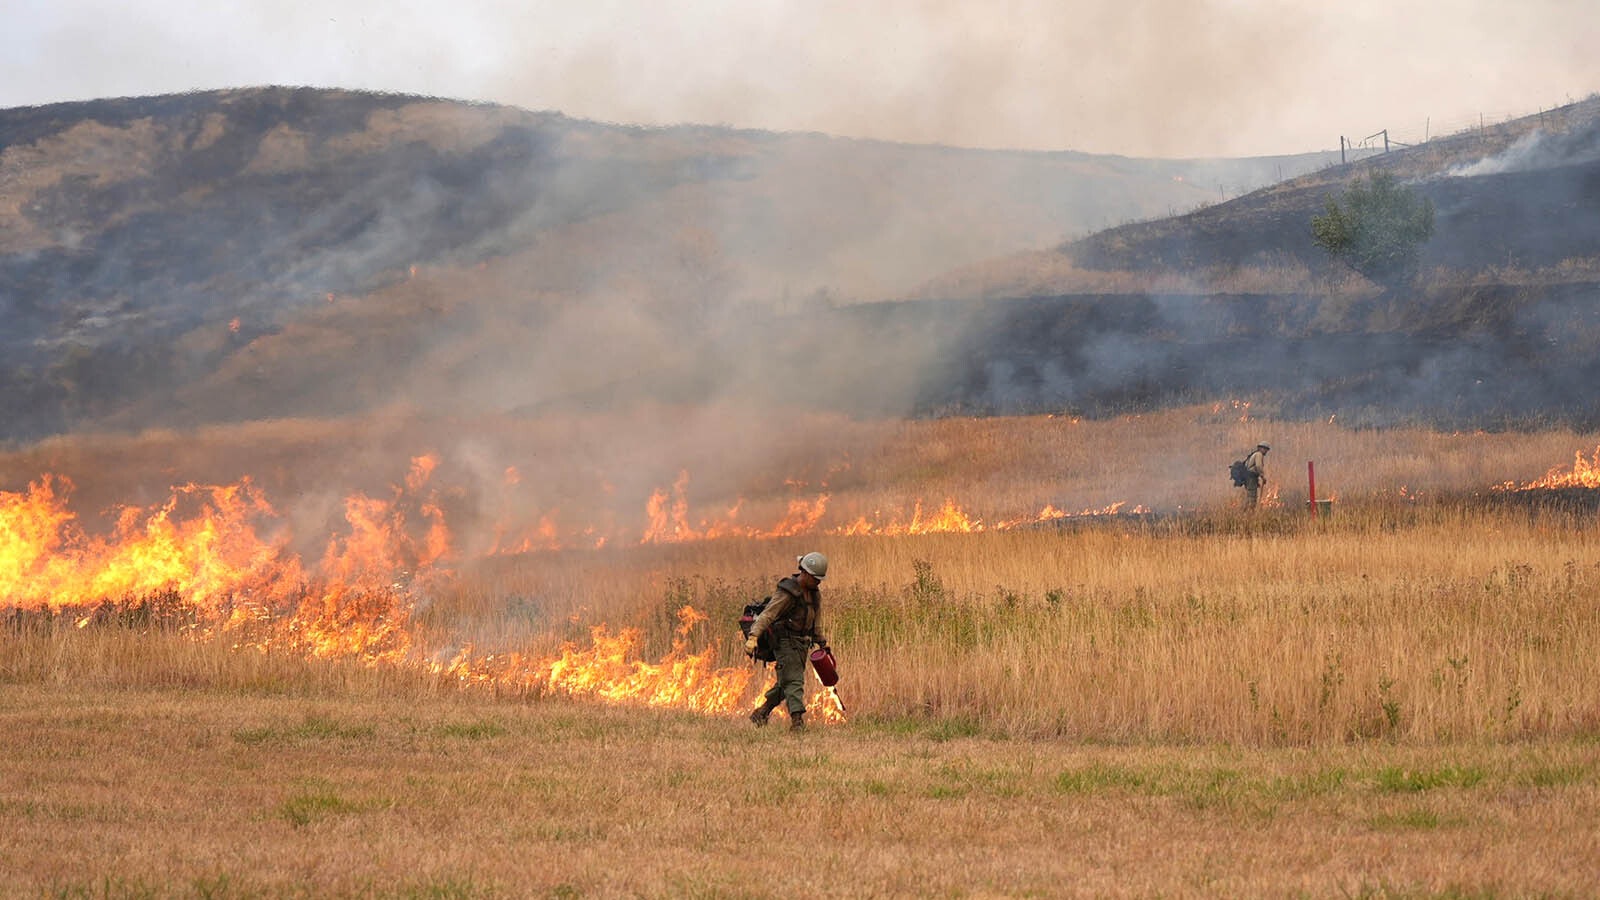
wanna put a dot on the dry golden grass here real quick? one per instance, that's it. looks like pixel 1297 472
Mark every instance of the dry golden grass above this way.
pixel 1396 699
pixel 169 793
pixel 1412 626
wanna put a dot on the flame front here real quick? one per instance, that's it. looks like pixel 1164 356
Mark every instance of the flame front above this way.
pixel 610 668
pixel 208 555
pixel 1585 473
pixel 222 556
pixel 214 550
pixel 667 518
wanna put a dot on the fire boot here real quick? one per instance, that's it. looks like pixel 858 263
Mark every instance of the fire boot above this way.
pixel 797 722
pixel 759 715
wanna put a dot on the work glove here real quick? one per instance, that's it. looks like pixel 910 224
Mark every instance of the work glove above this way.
pixel 750 645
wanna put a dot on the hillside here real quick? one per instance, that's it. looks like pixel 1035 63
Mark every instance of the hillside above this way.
pixel 182 261
pixel 238 254
pixel 1517 200
pixel 1501 330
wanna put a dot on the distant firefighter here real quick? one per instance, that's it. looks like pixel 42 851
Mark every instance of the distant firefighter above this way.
pixel 1255 474
pixel 794 619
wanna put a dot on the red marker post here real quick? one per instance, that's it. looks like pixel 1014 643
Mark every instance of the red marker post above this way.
pixel 1311 477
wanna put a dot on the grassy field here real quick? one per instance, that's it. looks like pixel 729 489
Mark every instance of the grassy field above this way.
pixel 158 793
pixel 1396 699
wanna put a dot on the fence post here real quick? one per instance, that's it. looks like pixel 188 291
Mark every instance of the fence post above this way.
pixel 1311 477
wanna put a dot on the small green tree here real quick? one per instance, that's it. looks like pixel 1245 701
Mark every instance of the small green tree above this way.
pixel 1379 229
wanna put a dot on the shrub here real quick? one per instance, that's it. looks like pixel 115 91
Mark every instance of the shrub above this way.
pixel 1378 230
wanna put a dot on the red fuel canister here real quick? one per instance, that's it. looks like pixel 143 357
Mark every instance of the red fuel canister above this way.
pixel 827 672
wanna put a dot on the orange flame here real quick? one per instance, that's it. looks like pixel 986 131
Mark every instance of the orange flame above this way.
pixel 951 518
pixel 216 550
pixel 47 561
pixel 668 518
pixel 1050 513
pixel 223 554
pixel 610 668
pixel 1239 407
pixel 1585 473
pixel 1268 498
pixel 948 518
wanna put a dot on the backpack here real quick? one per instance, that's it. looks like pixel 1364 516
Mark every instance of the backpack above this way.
pixel 1237 472
pixel 766 650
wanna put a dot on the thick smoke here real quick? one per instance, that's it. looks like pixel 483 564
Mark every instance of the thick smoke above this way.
pixel 251 247
pixel 311 288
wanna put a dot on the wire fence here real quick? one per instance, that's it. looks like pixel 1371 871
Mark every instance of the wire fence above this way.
pixel 1411 133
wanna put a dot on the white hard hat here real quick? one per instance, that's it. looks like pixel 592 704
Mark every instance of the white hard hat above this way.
pixel 814 563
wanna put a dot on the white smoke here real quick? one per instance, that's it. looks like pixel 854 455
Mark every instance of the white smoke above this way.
pixel 1534 151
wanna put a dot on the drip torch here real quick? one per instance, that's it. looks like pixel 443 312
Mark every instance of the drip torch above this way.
pixel 827 673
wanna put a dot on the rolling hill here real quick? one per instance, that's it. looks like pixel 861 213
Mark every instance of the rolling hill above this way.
pixel 274 253
pixel 1515 201
pixel 237 254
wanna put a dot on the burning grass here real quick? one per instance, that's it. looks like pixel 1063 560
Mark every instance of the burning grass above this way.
pixel 1416 667
pixel 1394 620
pixel 1417 613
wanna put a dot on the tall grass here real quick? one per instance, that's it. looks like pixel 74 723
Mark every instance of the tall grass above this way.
pixel 1480 627
pixel 1394 623
pixel 56 651
pixel 1424 608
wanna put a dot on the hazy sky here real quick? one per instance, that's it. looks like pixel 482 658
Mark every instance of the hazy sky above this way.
pixel 1137 77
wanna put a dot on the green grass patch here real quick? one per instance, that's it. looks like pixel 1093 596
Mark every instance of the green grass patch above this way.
pixel 1555 776
pixel 1097 777
pixel 316 803
pixel 1416 819
pixel 56 811
pixel 960 779
pixel 952 728
pixel 1218 788
pixel 1385 891
pixel 897 726
pixel 324 728
pixel 107 889
pixel 1304 786
pixel 447 889
pixel 1400 780
pixel 874 787
pixel 471 731
pixel 1225 789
